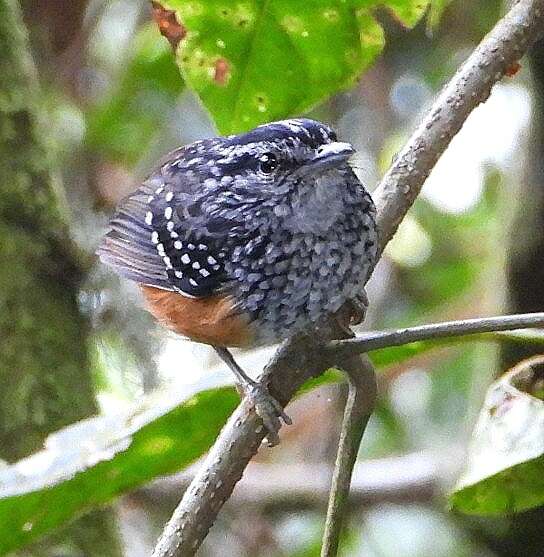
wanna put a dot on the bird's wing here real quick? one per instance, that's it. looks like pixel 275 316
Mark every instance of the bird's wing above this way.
pixel 155 238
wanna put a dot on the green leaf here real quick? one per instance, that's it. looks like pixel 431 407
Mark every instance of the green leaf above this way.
pixel 89 463
pixel 254 61
pixel 505 470
pixel 125 123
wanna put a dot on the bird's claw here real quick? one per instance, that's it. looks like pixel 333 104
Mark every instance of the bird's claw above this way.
pixel 359 305
pixel 268 409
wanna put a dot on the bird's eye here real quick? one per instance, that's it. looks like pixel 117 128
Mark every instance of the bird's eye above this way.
pixel 268 163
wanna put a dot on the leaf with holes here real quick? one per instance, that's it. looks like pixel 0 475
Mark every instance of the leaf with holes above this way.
pixel 505 470
pixel 254 61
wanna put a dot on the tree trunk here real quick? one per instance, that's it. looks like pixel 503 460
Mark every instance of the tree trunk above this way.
pixel 45 380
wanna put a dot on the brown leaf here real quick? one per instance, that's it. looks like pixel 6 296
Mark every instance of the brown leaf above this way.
pixel 222 71
pixel 169 26
pixel 513 69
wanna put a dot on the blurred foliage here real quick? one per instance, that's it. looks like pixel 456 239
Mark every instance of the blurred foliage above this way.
pixel 399 354
pixel 258 61
pixel 454 269
pixel 109 455
pixel 124 124
pixel 435 12
pixel 160 435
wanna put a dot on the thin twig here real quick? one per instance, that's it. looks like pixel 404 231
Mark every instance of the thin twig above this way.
pixel 359 407
pixel 447 329
pixel 303 357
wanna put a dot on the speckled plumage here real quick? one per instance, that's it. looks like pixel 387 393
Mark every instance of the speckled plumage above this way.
pixel 287 245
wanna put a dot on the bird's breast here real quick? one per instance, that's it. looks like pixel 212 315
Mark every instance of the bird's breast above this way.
pixel 296 277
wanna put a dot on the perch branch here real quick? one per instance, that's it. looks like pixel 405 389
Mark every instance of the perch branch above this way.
pixel 447 329
pixel 304 356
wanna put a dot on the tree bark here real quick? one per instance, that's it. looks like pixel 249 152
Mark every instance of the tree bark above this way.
pixel 45 380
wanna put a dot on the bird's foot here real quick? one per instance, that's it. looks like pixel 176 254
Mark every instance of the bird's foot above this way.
pixel 268 409
pixel 359 305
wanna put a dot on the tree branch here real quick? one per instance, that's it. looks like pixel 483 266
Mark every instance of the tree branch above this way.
pixel 359 407
pixel 447 329
pixel 303 357
pixel 504 45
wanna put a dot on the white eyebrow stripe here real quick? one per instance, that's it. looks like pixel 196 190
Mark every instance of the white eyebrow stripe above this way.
pixel 234 151
pixel 295 126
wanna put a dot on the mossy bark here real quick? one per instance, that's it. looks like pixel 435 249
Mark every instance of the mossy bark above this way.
pixel 45 380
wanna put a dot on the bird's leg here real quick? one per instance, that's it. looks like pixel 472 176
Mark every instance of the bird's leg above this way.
pixel 266 406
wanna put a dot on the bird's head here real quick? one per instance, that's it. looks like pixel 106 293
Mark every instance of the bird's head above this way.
pixel 297 168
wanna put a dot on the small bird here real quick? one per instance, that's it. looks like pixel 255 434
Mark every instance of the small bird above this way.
pixel 247 240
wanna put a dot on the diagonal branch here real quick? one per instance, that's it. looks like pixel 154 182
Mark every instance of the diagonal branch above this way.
pixel 498 52
pixel 305 356
pixel 447 329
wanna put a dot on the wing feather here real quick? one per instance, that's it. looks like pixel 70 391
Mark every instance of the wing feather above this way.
pixel 149 241
pixel 128 248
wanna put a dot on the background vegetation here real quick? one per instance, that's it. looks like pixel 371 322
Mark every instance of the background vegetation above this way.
pixel 111 100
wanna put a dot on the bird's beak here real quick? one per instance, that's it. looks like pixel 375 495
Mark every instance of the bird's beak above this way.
pixel 331 155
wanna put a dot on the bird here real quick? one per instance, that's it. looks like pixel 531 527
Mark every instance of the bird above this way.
pixel 248 239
